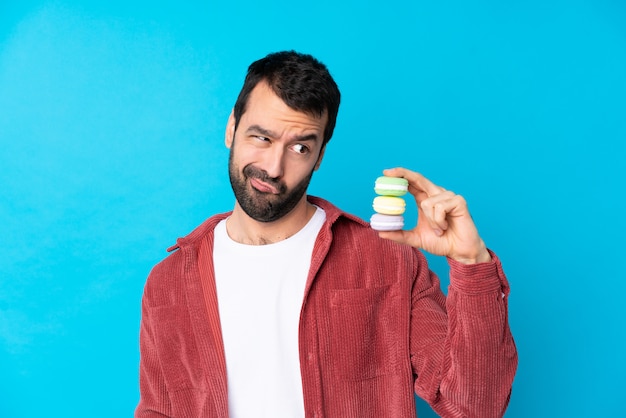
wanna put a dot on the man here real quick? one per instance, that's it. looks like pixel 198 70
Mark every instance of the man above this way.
pixel 289 307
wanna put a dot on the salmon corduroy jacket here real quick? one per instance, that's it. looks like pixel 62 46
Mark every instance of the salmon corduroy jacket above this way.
pixel 374 328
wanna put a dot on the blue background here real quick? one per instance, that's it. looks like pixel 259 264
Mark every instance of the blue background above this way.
pixel 112 120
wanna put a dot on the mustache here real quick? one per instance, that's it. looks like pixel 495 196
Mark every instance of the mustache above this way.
pixel 250 171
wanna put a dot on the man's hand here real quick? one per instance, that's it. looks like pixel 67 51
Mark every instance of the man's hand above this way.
pixel 444 224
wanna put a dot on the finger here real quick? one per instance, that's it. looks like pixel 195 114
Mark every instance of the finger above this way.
pixel 417 182
pixel 437 209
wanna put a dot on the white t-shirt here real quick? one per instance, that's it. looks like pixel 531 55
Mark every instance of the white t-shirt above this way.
pixel 260 289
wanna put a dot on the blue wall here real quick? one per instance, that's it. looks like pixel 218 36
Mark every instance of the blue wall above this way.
pixel 111 145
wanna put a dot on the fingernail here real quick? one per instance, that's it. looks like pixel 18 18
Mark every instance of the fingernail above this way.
pixel 438 232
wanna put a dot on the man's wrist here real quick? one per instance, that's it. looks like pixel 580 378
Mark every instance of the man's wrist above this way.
pixel 483 256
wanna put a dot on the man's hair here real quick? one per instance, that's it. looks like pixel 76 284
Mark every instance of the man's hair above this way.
pixel 300 80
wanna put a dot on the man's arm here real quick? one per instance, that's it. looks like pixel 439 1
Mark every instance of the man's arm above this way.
pixel 153 401
pixel 462 350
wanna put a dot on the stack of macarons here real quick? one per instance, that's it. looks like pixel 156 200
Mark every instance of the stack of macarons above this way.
pixel 388 205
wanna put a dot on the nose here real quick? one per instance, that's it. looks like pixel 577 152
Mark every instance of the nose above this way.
pixel 273 163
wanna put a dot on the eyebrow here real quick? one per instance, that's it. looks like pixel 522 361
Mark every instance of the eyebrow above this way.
pixel 268 133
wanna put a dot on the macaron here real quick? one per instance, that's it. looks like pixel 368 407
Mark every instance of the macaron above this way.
pixel 382 222
pixel 389 205
pixel 391 186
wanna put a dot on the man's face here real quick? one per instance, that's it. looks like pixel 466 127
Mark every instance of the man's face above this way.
pixel 273 153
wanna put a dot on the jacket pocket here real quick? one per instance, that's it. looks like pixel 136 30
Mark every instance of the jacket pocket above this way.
pixel 364 331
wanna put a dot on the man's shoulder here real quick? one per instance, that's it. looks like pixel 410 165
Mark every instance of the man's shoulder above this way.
pixel 195 237
pixel 171 267
pixel 334 214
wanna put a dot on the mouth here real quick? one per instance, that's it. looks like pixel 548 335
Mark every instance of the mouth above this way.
pixel 262 186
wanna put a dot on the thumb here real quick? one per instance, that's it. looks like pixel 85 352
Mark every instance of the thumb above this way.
pixel 402 237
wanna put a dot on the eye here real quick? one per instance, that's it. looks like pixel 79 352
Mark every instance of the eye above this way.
pixel 262 138
pixel 301 149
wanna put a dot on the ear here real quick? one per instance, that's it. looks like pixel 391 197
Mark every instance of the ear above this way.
pixel 230 130
pixel 319 159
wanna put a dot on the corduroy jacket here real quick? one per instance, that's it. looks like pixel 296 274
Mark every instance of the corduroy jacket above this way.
pixel 374 328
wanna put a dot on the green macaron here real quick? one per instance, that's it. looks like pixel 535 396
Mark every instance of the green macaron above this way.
pixel 391 186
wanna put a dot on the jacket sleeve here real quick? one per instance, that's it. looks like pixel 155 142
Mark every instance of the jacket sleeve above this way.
pixel 154 401
pixel 462 351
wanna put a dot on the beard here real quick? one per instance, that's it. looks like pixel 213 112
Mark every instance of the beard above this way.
pixel 260 206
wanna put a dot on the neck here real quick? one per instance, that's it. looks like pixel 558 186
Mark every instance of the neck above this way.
pixel 245 230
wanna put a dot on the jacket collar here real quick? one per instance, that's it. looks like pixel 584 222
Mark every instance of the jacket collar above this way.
pixel 333 214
